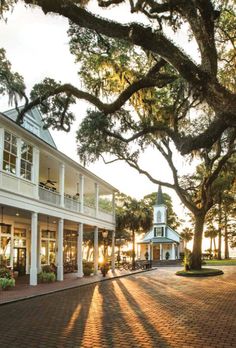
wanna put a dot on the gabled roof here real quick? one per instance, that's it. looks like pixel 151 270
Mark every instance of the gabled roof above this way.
pixel 33 123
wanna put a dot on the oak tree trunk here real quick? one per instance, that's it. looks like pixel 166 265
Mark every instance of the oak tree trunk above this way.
pixel 197 242
pixel 220 231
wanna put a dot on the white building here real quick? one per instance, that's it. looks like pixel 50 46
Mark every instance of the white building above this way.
pixel 47 201
pixel 161 242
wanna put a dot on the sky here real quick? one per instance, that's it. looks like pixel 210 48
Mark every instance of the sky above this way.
pixel 37 47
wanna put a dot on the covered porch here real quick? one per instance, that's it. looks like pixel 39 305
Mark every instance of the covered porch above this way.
pixel 31 240
pixel 157 249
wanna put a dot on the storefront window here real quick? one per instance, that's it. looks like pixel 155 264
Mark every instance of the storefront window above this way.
pixel 48 247
pixel 5 251
pixel 19 238
pixel 70 250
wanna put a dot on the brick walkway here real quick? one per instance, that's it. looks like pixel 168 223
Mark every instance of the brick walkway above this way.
pixel 151 309
pixel 23 290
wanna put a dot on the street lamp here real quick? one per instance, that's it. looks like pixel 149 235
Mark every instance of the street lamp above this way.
pixel 104 235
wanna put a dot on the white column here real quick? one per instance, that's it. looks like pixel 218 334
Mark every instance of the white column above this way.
pixel 62 183
pixel 96 199
pixel 35 171
pixel 95 254
pixel 113 252
pixel 161 252
pixel 178 251
pixel 80 251
pixel 149 252
pixel 60 270
pixel 81 193
pixel 173 251
pixel 33 265
pixel 113 206
pixel 39 251
pixel 12 247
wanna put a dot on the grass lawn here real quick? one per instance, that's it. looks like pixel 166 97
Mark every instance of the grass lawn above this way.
pixel 204 272
pixel 231 262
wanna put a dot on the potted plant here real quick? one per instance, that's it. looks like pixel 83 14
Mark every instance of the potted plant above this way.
pixel 7 283
pixel 167 255
pixel 47 275
pixel 6 280
pixel 88 268
pixel 104 269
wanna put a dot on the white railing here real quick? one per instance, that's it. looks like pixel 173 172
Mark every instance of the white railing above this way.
pixel 89 210
pixel 71 204
pixel 49 196
pixel 107 216
pixel 52 197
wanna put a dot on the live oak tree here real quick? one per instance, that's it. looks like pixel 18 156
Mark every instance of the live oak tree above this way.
pixel 146 90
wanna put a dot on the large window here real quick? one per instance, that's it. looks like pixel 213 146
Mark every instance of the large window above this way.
pixel 26 161
pixel 48 247
pixel 10 153
pixel 5 245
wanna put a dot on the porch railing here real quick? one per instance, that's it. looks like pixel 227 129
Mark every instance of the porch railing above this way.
pixel 52 197
pixel 49 196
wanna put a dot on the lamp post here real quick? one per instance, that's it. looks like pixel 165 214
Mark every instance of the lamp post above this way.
pixel 104 235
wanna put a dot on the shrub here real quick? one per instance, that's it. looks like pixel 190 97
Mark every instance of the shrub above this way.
pixel 49 268
pixel 47 277
pixel 167 255
pixel 88 268
pixel 7 283
pixel 187 260
pixel 5 273
pixel 104 269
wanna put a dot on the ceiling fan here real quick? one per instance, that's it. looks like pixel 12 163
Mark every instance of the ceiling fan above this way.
pixel 49 181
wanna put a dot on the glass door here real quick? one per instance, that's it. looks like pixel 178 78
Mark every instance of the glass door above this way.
pixel 20 260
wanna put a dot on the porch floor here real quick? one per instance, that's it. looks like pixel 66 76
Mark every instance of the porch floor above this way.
pixel 23 290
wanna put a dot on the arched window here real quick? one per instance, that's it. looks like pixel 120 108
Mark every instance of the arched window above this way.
pixel 158 216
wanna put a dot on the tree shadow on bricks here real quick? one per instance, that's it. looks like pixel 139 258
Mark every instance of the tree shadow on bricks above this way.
pixel 125 323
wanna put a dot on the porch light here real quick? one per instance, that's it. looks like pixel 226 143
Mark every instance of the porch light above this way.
pixel 104 234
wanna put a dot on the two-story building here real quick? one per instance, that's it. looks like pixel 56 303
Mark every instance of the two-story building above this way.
pixel 47 201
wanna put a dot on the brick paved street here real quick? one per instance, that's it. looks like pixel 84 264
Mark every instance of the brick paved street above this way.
pixel 153 309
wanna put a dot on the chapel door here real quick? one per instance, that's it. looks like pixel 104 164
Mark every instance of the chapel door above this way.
pixel 156 252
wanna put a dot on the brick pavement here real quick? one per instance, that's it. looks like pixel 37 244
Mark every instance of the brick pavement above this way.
pixel 153 309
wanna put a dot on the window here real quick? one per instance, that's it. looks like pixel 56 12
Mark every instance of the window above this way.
pixel 158 216
pixel 26 161
pixel 158 231
pixel 48 247
pixel 10 153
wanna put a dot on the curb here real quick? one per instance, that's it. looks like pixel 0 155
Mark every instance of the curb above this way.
pixel 74 287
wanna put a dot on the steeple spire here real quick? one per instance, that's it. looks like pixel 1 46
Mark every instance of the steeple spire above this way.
pixel 160 199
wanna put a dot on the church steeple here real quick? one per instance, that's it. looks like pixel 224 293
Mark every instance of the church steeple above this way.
pixel 160 199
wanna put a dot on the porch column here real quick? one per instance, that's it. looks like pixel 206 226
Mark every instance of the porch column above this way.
pixel 149 252
pixel 60 268
pixel 36 171
pixel 161 256
pixel 81 193
pixel 113 252
pixel 173 251
pixel 80 251
pixel 33 265
pixel 39 251
pixel 62 183
pixel 95 250
pixel 178 251
pixel 96 199
pixel 113 206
